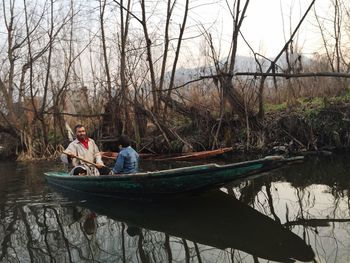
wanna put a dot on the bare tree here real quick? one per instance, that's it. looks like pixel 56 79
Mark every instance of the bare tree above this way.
pixel 334 38
pixel 273 64
pixel 102 5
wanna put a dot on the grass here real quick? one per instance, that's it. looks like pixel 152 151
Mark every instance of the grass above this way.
pixel 269 107
pixel 345 98
pixel 307 105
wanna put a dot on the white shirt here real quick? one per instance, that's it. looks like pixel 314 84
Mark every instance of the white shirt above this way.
pixel 91 154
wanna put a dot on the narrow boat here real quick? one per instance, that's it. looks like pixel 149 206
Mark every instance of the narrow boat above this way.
pixel 167 182
pixel 195 155
pixel 177 157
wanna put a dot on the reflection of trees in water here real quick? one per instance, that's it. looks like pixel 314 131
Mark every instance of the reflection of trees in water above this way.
pixel 53 234
pixel 324 225
pixel 314 203
pixel 154 246
pixel 46 234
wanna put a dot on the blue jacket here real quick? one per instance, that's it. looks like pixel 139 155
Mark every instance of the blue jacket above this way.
pixel 127 161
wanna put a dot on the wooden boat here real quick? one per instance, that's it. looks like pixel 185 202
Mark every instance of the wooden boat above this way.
pixel 177 157
pixel 167 182
pixel 195 155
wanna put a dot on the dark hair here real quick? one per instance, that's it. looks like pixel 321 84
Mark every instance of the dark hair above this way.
pixel 124 141
pixel 78 127
pixel 79 170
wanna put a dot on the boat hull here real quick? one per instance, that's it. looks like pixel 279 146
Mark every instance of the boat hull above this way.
pixel 166 182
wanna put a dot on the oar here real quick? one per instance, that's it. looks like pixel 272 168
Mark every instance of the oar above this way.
pixel 109 155
pixel 80 158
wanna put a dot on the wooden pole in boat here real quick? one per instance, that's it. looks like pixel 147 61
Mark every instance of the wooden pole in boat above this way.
pixel 80 158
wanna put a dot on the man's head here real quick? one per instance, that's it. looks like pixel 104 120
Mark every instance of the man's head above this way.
pixel 124 141
pixel 80 132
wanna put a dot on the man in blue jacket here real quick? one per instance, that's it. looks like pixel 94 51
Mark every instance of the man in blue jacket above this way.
pixel 128 159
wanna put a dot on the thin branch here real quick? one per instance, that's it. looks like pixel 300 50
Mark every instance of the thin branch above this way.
pixel 291 37
pixel 128 11
pixel 69 114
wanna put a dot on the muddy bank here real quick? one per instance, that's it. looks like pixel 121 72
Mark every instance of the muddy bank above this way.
pixel 308 130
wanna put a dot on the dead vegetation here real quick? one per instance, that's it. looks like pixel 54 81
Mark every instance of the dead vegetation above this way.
pixel 57 73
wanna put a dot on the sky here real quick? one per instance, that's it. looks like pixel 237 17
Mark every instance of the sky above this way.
pixel 267 26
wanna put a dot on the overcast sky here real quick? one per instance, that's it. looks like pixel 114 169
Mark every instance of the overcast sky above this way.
pixel 268 24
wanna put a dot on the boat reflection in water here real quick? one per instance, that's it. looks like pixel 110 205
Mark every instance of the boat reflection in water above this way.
pixel 214 219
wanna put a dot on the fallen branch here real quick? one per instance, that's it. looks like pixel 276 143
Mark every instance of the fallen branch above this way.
pixel 69 114
pixel 261 74
pixel 297 75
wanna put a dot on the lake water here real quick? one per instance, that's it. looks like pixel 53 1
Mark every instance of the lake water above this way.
pixel 299 212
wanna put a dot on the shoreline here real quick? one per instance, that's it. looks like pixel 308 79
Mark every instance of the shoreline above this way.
pixel 306 129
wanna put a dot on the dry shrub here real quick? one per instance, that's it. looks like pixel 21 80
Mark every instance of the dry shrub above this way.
pixel 204 97
pixel 310 87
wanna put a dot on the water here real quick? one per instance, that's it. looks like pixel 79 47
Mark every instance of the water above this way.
pixel 300 212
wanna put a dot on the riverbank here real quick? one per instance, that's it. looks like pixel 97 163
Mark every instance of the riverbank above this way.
pixel 308 126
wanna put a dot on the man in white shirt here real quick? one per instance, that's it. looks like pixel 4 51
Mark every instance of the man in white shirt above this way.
pixel 85 148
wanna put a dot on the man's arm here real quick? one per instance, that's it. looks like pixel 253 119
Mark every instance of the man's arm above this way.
pixel 97 154
pixel 67 159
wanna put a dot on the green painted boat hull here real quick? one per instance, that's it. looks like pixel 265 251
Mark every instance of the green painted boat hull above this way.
pixel 165 182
